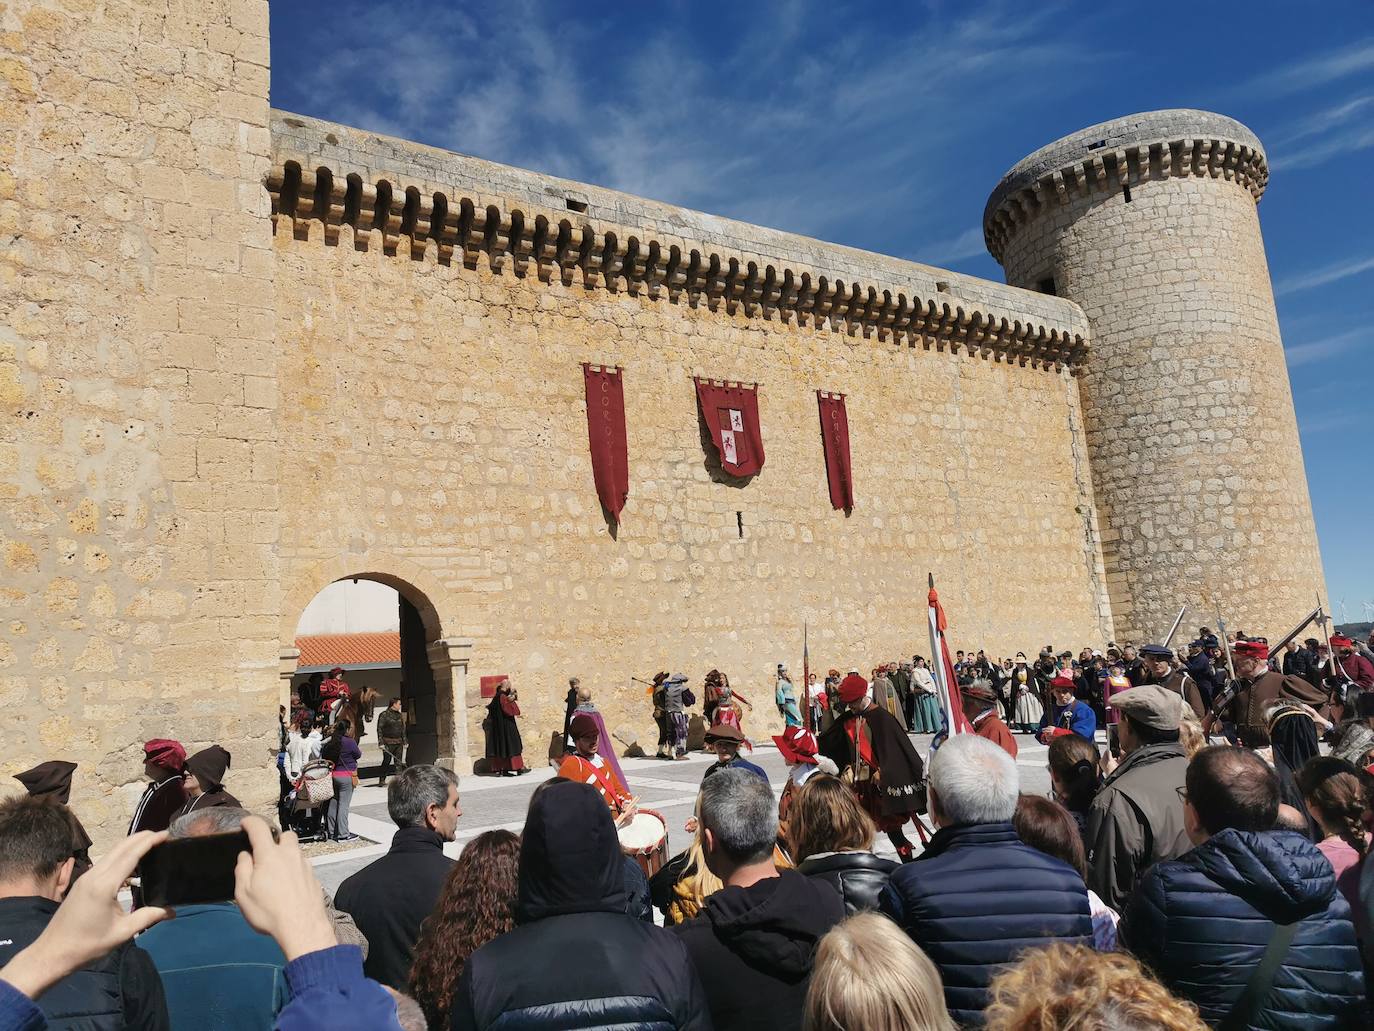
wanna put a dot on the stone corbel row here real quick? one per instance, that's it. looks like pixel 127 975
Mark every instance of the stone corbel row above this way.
pixel 554 245
pixel 1112 169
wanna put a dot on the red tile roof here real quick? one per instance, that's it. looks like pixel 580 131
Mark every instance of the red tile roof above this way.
pixel 349 649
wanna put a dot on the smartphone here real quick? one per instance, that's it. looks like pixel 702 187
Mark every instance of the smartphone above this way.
pixel 187 871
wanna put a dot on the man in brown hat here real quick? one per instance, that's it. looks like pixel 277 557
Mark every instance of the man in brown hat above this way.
pixel 726 740
pixel 980 706
pixel 205 781
pixel 51 782
pixel 1136 818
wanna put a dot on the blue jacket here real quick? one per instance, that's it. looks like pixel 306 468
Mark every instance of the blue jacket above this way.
pixel 735 764
pixel 216 970
pixel 1081 719
pixel 1201 922
pixel 975 899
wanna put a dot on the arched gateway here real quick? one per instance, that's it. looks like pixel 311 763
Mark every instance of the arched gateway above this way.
pixel 433 668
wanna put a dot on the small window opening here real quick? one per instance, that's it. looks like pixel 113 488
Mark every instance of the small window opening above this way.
pixel 739 523
pixel 579 206
pixel 1046 286
pixel 1098 145
pixel 1126 191
pixel 942 287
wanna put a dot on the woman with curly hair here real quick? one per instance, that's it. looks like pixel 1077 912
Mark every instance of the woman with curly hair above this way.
pixel 477 905
pixel 1072 986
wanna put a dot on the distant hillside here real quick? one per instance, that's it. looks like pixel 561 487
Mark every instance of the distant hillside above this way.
pixel 1359 631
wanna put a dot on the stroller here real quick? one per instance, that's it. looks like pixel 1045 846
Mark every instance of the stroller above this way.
pixel 312 793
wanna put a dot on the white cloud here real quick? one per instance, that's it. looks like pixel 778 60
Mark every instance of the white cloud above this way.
pixel 1314 71
pixel 1321 277
pixel 1323 135
pixel 1328 347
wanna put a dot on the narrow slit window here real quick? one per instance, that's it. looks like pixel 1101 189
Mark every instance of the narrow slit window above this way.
pixel 739 524
pixel 1126 191
pixel 580 206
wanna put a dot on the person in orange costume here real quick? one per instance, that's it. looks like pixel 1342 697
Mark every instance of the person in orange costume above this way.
pixel 584 766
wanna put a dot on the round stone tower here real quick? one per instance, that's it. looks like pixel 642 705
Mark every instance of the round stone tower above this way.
pixel 1149 223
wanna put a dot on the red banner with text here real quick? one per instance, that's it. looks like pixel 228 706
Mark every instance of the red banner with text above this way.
pixel 606 436
pixel 835 439
pixel 731 411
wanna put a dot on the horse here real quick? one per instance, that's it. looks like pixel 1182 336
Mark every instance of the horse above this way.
pixel 358 709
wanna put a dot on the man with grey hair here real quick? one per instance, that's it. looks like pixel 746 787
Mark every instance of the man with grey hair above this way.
pixel 390 897
pixel 946 901
pixel 753 942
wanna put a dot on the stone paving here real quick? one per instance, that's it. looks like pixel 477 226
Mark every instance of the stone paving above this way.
pixel 668 787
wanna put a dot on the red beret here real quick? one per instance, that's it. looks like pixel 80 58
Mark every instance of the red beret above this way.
pixel 166 753
pixel 852 688
pixel 1254 649
pixel 1341 641
pixel 1062 681
pixel 583 725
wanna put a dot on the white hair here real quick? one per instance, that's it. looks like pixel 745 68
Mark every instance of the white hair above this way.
pixel 974 780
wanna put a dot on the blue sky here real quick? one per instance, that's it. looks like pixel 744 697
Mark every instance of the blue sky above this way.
pixel 886 125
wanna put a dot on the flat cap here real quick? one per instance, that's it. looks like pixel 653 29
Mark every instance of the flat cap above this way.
pixel 1157 651
pixel 1151 706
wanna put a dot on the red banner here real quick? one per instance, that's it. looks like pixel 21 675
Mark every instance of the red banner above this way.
pixel 835 440
pixel 731 412
pixel 606 436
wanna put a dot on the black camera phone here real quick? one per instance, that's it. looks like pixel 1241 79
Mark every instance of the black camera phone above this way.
pixel 189 871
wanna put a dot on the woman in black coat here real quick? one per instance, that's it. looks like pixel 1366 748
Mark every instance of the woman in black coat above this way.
pixel 504 747
pixel 831 839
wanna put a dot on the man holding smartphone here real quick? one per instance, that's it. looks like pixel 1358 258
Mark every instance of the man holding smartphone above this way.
pixel 119 989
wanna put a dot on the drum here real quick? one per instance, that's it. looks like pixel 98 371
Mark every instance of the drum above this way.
pixel 645 840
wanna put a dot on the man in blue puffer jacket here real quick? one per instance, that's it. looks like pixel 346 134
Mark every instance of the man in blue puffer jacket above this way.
pixel 977 897
pixel 1202 921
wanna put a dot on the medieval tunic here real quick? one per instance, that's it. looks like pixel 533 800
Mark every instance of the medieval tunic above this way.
pixel 1026 692
pixel 597 772
pixel 605 747
pixel 885 768
pixel 986 724
pixel 1247 709
pixel 1181 684
pixel 51 782
pixel 504 747
pixel 159 805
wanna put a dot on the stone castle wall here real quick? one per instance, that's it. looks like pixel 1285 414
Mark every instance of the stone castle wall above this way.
pixel 138 479
pixel 435 413
pixel 1201 490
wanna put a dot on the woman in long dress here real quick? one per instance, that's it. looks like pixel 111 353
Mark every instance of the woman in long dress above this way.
pixel 927 716
pixel 1028 708
pixel 504 747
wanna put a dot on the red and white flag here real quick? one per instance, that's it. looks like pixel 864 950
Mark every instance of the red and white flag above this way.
pixel 946 684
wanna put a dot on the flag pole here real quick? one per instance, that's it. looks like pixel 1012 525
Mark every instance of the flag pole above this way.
pixel 806 677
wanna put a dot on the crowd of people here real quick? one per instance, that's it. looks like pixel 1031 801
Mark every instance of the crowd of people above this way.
pixel 1167 881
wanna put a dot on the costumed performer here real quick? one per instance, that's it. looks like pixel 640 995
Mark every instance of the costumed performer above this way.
pixel 926 717
pixel 785 698
pixel 505 750
pixel 605 745
pixel 1067 715
pixel 205 781
pixel 726 740
pixel 164 764
pixel 980 706
pixel 51 782
pixel 877 759
pixel 585 765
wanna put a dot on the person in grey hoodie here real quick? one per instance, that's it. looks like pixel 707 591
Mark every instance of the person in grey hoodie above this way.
pixel 674 708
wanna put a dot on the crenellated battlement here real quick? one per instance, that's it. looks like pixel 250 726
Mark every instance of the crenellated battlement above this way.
pixel 332 185
pixel 1104 158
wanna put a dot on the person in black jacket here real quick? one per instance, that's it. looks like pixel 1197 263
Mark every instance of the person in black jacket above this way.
pixel 754 941
pixel 978 896
pixel 831 839
pixel 390 897
pixel 1202 922
pixel 575 958
pixel 119 990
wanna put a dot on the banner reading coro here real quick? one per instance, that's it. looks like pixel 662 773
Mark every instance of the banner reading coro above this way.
pixel 606 436
pixel 835 440
pixel 731 411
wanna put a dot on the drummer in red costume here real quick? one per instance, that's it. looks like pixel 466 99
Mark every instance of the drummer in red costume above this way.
pixel 585 766
pixel 877 759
